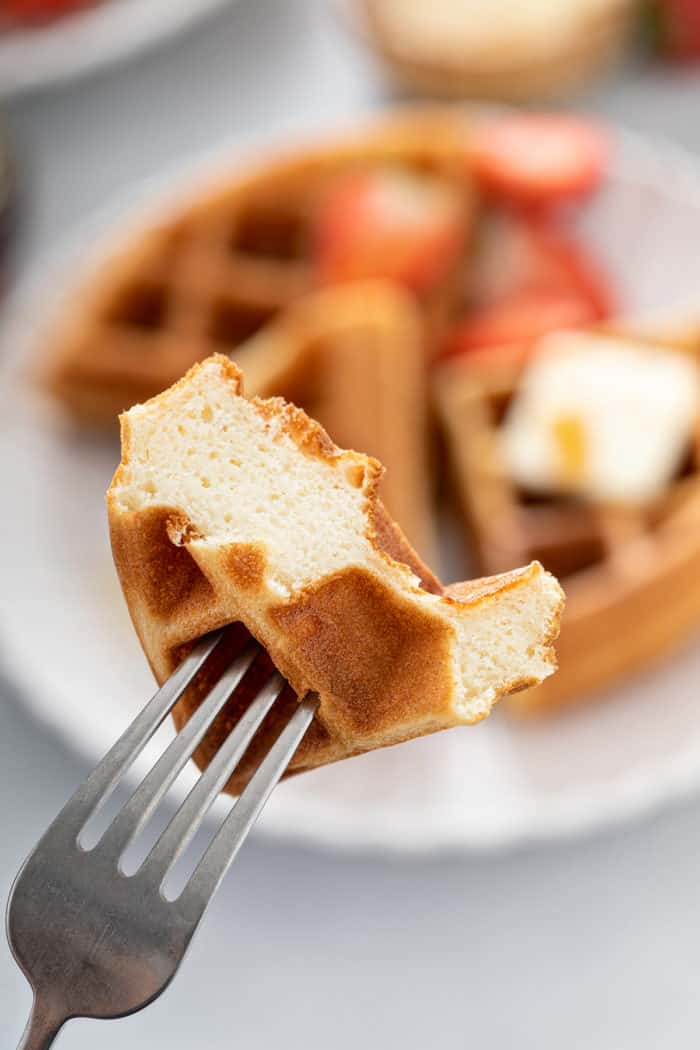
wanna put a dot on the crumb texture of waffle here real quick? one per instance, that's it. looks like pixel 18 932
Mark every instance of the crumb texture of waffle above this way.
pixel 229 510
pixel 224 261
pixel 631 573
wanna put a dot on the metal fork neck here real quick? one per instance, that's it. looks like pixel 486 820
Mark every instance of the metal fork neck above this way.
pixel 42 1028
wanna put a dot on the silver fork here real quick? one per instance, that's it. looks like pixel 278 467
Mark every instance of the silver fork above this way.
pixel 94 942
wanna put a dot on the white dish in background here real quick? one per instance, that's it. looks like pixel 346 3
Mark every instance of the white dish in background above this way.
pixel 83 41
pixel 66 639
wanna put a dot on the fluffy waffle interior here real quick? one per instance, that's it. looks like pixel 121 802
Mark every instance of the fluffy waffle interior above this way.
pixel 288 535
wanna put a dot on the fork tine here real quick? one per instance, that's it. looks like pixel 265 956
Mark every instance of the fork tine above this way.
pixel 95 790
pixel 184 824
pixel 232 833
pixel 153 787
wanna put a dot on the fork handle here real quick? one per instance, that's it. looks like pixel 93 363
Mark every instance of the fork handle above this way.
pixel 42 1028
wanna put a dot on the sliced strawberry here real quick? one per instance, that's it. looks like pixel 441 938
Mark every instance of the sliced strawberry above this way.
pixel 678 23
pixel 536 159
pixel 520 320
pixel 389 224
pixel 36 11
pixel 563 263
pixel 517 254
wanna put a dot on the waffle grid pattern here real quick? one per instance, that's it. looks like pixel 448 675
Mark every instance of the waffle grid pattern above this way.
pixel 217 271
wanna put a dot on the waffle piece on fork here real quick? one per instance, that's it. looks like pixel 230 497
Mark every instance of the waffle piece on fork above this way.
pixel 234 510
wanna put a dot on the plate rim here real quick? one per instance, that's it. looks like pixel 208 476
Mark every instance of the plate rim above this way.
pixel 33 60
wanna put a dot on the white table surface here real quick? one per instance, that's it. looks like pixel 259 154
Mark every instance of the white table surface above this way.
pixel 592 945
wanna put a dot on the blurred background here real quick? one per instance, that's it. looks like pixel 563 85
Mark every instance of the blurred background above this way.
pixel 532 881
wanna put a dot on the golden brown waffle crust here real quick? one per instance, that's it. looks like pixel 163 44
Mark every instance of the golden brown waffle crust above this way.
pixel 379 657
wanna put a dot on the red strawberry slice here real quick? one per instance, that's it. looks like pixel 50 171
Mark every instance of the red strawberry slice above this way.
pixel 522 319
pixel 678 23
pixel 539 159
pixel 389 224
pixel 580 273
pixel 517 254
pixel 37 11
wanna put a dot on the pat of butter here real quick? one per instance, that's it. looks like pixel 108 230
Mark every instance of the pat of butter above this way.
pixel 602 418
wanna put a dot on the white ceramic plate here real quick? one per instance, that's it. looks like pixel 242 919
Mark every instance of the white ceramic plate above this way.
pixel 84 41
pixel 66 639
